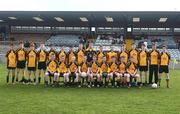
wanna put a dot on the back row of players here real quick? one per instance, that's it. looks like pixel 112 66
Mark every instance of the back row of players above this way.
pixel 96 68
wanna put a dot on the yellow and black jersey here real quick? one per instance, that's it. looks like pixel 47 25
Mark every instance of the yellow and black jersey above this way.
pixel 50 53
pixel 73 67
pixel 153 57
pixel 143 58
pixel 113 67
pixel 124 54
pixel 42 56
pixel 122 67
pixel 80 56
pixel 31 58
pixel 63 67
pixel 21 54
pixel 70 55
pixel 11 59
pixel 110 55
pixel 84 66
pixel 94 67
pixel 90 52
pixel 104 67
pixel 164 58
pixel 134 54
pixel 100 56
pixel 131 68
pixel 52 66
pixel 61 55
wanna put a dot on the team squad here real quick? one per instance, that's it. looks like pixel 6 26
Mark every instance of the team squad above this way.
pixel 87 67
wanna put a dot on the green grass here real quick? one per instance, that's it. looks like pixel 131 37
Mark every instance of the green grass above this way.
pixel 29 99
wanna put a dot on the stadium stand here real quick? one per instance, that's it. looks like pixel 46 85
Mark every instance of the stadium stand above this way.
pixel 63 40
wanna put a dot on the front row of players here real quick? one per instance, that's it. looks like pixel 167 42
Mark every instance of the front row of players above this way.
pixel 79 70
pixel 119 74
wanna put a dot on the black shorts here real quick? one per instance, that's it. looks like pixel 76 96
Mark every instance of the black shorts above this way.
pixel 104 74
pixel 61 74
pixel 31 68
pixel 21 64
pixel 143 68
pixel 72 74
pixel 164 69
pixel 42 65
pixel 51 74
pixel 11 68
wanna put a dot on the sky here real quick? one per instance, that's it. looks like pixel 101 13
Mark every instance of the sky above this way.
pixel 89 5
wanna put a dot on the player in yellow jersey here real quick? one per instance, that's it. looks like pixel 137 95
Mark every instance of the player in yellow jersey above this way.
pixel 164 65
pixel 61 54
pixel 100 55
pixel 132 71
pixel 42 58
pixel 124 53
pixel 83 71
pixel 153 64
pixel 51 72
pixel 51 52
pixel 31 62
pixel 143 62
pixel 72 78
pixel 62 71
pixel 11 63
pixel 111 54
pixel 70 55
pixel 94 74
pixel 104 71
pixel 90 52
pixel 80 54
pixel 134 53
pixel 21 62
pixel 113 74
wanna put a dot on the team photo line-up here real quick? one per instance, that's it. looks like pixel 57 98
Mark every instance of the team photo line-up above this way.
pixel 87 67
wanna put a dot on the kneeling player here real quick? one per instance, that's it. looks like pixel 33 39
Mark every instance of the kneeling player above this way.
pixel 94 76
pixel 122 72
pixel 72 78
pixel 104 71
pixel 11 63
pixel 83 71
pixel 31 63
pixel 113 74
pixel 52 66
pixel 164 65
pixel 62 71
pixel 132 73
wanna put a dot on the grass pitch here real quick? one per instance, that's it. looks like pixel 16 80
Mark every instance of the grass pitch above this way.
pixel 30 99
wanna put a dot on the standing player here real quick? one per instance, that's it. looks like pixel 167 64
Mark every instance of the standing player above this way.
pixel 70 55
pixel 80 54
pixel 83 71
pixel 164 65
pixel 52 52
pixel 42 57
pixel 72 78
pixel 61 54
pixel 11 63
pixel 21 62
pixel 90 52
pixel 52 66
pixel 132 71
pixel 100 55
pixel 113 74
pixel 104 71
pixel 153 64
pixel 94 76
pixel 124 53
pixel 111 54
pixel 143 62
pixel 134 53
pixel 31 63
